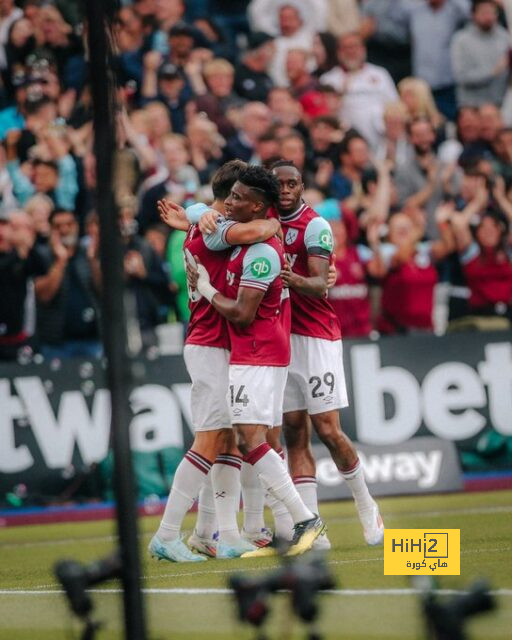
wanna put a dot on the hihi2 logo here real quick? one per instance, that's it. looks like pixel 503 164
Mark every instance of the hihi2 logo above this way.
pixel 409 552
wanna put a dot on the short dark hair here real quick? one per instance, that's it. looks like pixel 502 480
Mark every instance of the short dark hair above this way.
pixel 330 121
pixel 263 181
pixel 344 145
pixel 225 177
pixel 476 3
pixel 284 163
pixel 59 211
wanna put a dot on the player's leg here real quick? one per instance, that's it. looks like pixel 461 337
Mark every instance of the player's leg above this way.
pixel 193 470
pixel 327 395
pixel 264 387
pixel 226 486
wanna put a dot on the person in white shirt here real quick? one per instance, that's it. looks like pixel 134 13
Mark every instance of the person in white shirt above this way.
pixel 9 13
pixel 366 88
pixel 295 33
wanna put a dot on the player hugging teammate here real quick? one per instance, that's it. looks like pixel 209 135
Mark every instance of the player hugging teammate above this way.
pixel 246 297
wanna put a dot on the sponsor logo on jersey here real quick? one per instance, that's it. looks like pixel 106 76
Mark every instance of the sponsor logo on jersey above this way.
pixel 291 236
pixel 260 268
pixel 325 240
pixel 291 259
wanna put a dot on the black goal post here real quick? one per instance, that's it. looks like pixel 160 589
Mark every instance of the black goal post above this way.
pixel 99 15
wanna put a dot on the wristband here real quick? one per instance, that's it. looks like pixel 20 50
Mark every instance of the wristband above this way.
pixel 207 290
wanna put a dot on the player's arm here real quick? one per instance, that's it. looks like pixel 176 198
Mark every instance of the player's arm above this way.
pixel 315 284
pixel 242 311
pixel 252 232
pixel 319 244
pixel 260 268
pixel 173 214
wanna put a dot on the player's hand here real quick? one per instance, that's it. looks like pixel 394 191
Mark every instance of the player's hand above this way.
pixel 332 276
pixel 172 214
pixel 287 275
pixel 208 222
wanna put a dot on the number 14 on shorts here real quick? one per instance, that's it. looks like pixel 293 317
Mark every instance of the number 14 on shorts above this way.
pixel 238 395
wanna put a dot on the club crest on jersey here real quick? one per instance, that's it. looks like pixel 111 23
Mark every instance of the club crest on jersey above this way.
pixel 325 240
pixel 291 236
pixel 260 267
pixel 235 253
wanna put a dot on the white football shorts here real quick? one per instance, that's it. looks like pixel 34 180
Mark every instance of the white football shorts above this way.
pixel 208 370
pixel 255 394
pixel 316 379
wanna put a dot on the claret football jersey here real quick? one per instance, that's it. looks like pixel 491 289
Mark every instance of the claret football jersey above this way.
pixel 307 234
pixel 266 341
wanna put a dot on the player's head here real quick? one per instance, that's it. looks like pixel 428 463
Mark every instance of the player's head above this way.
pixel 225 177
pixel 291 186
pixel 252 194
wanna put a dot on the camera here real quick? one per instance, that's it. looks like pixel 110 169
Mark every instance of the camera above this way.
pixel 77 578
pixel 303 579
pixel 445 619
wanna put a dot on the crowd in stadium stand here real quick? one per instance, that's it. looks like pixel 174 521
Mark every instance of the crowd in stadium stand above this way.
pixel 398 113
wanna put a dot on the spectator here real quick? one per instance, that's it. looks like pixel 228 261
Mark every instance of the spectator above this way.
pixel 394 146
pixel 19 264
pixel 252 81
pixel 408 286
pixel 67 297
pixel 53 173
pixel 479 55
pixel 419 179
pixel 166 83
pixel 205 145
pixel 218 96
pixel 9 13
pixel 350 294
pixel 294 33
pixel 417 97
pixel 285 109
pixel 366 88
pixel 255 120
pixel 387 39
pixel 354 158
pixel 432 24
pixel 299 77
pixel 167 13
pixel 265 15
pixel 147 277
pixel 487 266
pixel 40 208
pixel 293 149
pixel 325 52
pixel 181 179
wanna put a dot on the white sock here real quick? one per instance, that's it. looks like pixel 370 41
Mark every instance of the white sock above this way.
pixel 307 488
pixel 253 498
pixel 206 523
pixel 354 478
pixel 276 480
pixel 225 475
pixel 189 477
pixel 283 523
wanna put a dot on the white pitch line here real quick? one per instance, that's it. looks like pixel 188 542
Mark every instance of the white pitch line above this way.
pixel 337 519
pixel 199 591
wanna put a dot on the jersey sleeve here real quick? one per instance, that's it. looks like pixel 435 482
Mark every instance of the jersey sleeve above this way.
pixel 216 241
pixel 318 238
pixel 261 267
pixel 469 254
pixel 195 211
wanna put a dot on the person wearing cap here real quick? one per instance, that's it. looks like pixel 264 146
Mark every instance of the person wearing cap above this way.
pixel 165 82
pixel 252 81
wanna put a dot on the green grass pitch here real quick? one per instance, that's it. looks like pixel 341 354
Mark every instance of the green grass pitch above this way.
pixel 366 612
